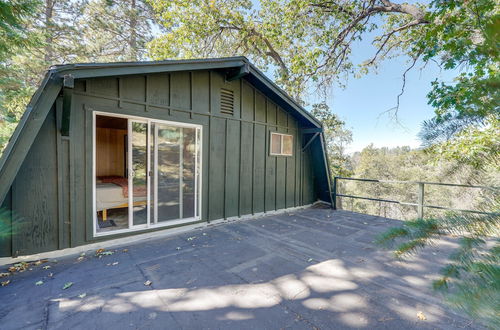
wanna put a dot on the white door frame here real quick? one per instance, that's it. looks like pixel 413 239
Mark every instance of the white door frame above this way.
pixel 197 174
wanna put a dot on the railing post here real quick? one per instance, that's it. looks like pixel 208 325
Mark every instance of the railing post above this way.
pixel 335 193
pixel 420 210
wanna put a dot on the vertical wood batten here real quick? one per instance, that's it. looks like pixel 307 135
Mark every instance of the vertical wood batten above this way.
pixel 60 191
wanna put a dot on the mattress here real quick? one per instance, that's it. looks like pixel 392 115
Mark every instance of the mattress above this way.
pixel 110 195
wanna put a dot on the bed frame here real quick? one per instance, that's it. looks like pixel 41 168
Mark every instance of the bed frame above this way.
pixel 105 211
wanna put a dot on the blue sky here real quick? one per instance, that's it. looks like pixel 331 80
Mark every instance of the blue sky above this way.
pixel 364 100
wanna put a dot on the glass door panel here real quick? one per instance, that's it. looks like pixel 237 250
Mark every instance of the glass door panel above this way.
pixel 138 174
pixel 168 169
pixel 188 172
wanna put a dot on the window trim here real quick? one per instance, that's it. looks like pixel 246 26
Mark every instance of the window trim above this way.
pixel 281 135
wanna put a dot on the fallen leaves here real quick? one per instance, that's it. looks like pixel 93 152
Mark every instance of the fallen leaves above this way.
pixel 19 267
pixel 39 283
pixel 39 262
pixel 82 295
pixel 191 238
pixel 421 316
pixel 113 264
pixel 148 283
pixel 46 267
pixel 5 283
pixel 67 285
pixel 101 252
pixel 23 266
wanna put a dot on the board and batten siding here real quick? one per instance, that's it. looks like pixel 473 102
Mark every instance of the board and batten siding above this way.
pixel 239 177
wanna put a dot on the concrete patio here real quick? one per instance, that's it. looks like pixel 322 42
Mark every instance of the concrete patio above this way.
pixel 310 269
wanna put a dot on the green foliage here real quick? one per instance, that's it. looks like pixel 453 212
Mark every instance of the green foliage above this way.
pixel 39 34
pixel 306 43
pixel 116 30
pixel 471 279
pixel 465 36
pixel 13 16
pixel 406 164
pixel 337 138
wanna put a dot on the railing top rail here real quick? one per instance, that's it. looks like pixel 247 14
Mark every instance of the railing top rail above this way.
pixel 418 182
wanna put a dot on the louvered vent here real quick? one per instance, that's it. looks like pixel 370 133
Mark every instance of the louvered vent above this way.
pixel 226 101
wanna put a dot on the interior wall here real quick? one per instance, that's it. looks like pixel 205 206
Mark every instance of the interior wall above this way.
pixel 110 151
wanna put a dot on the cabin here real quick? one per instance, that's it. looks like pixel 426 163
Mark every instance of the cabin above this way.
pixel 106 150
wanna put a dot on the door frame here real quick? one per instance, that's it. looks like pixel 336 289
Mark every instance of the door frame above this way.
pixel 198 173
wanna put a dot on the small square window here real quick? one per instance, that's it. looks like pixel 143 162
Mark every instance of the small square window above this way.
pixel 281 144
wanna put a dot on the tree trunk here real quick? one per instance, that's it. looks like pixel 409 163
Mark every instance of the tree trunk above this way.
pixel 49 13
pixel 133 31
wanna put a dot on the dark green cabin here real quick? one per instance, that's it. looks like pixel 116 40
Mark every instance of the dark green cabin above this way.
pixel 115 149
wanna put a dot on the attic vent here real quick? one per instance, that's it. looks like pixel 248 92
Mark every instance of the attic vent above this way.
pixel 226 101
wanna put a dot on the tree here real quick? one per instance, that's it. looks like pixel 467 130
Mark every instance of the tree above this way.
pixel 337 138
pixel 14 36
pixel 117 30
pixel 65 32
pixel 307 42
pixel 13 16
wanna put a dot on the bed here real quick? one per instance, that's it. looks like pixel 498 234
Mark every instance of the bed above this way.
pixel 112 193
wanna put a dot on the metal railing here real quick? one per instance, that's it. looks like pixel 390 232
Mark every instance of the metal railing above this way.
pixel 421 194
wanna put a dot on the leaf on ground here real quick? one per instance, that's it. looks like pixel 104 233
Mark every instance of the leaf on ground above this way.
pixel 125 250
pixel 80 258
pixel 310 260
pixel 46 267
pixel 39 262
pixel 39 283
pixel 81 296
pixel 67 285
pixel 98 251
pixel 421 316
pixel 148 283
pixel 114 263
pixel 178 248
pixel 19 267
pixel 106 253
pixel 191 238
pixel 4 283
pixel 4 274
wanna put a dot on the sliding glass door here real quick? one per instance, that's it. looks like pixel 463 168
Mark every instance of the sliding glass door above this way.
pixel 161 184
pixel 175 183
